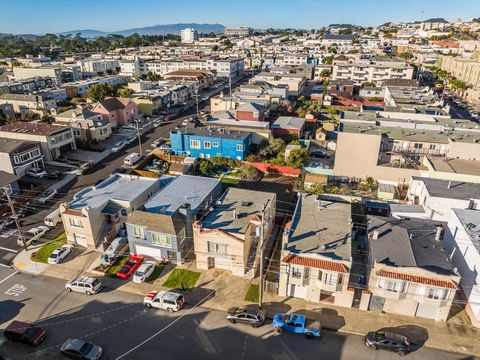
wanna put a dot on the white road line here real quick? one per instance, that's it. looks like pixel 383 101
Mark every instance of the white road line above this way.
pixel 8 277
pixel 3 265
pixel 7 249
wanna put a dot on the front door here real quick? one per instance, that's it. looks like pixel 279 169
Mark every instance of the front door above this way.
pixel 211 262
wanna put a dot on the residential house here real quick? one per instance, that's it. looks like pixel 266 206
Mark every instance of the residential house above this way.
pixel 88 126
pixel 409 271
pixel 230 236
pixel 16 156
pixel 210 143
pixel 97 213
pixel 23 104
pixel 151 102
pixel 54 140
pixel 203 79
pixel 316 255
pixel 118 111
pixel 288 125
pixel 163 226
pixel 462 240
pixel 337 39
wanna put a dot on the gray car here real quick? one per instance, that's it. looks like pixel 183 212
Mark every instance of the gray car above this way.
pixel 250 315
pixel 79 349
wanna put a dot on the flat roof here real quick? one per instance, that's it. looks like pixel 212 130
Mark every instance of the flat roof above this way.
pixel 289 122
pixel 118 187
pixel 470 220
pixel 245 203
pixel 455 166
pixel 218 133
pixel 321 228
pixel 183 189
pixel 33 128
pixel 450 189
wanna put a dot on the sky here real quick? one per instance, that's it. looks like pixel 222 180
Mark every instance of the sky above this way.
pixel 42 16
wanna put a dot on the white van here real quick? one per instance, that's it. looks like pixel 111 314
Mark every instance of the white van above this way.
pixel 118 247
pixel 132 159
pixel 54 218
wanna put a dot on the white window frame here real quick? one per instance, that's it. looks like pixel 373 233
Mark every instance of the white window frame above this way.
pixel 330 278
pixel 215 144
pixel 239 147
pixel 75 222
pixel 296 272
pixel 163 240
pixel 207 145
pixel 195 144
pixel 216 248
pixel 138 232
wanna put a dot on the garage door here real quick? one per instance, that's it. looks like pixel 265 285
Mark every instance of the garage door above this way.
pixel 147 251
pixel 80 240
pixel 297 291
pixel 427 311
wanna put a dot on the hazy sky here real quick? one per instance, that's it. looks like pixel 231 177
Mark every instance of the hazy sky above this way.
pixel 41 16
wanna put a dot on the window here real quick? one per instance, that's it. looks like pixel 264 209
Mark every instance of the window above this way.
pixel 207 144
pixel 195 144
pixel 138 232
pixel 296 273
pixel 16 160
pixel 75 222
pixel 432 146
pixel 239 147
pixel 330 278
pixel 392 286
pixel 437 294
pixel 418 146
pixel 220 249
pixel 162 240
pixel 215 144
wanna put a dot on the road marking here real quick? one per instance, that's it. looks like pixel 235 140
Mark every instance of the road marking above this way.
pixel 16 290
pixel 7 249
pixel 8 277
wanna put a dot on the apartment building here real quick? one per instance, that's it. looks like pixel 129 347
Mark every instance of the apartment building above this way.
pixel 16 156
pixel 202 79
pixel 409 273
pixel 60 74
pixel 373 70
pixel 462 240
pixel 54 140
pixel 163 226
pixel 230 235
pixel 99 66
pixel 238 31
pixel 188 35
pixel 97 213
pixel 294 82
pixel 316 256
pixel 23 104
pixel 337 39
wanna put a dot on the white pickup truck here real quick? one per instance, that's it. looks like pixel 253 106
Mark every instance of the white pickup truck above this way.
pixel 166 300
pixel 33 235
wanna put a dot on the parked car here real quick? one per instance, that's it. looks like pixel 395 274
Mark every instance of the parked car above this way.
pixel 251 315
pixel 80 349
pixel 389 341
pixel 36 172
pixel 84 284
pixel 117 247
pixel 129 268
pixel 46 196
pixel 24 332
pixel 156 143
pixel 132 159
pixel 33 235
pixel 144 272
pixel 5 222
pixel 167 300
pixel 165 147
pixel 319 154
pixel 59 254
pixel 55 175
pixel 130 126
pixel 130 140
pixel 295 323
pixel 118 146
pixel 205 98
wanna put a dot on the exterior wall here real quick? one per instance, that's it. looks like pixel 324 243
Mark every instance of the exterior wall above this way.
pixel 463 150
pixel 357 156
pixel 92 224
pixel 6 163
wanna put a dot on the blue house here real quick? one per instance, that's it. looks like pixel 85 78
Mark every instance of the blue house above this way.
pixel 209 143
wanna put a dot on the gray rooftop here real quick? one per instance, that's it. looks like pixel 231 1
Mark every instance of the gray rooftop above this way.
pixel 321 228
pixel 450 189
pixel 407 243
pixel 184 189
pixel 289 122
pixel 245 203
pixel 470 220
pixel 214 133
pixel 117 188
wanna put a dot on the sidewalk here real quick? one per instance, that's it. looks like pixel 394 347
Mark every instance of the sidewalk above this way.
pixel 217 289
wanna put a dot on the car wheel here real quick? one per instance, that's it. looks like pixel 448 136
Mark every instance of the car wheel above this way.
pixel 232 321
pixel 372 347
pixel 279 330
pixel 170 310
pixel 254 325
pixel 309 335
pixel 148 305
pixel 88 293
pixel 69 289
pixel 402 353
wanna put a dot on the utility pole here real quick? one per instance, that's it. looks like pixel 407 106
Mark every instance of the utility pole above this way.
pixel 139 138
pixel 260 288
pixel 230 84
pixel 196 99
pixel 8 191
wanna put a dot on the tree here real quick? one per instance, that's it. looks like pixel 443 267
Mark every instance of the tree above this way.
pixel 325 73
pixel 368 84
pixel 206 168
pixel 125 93
pixel 153 77
pixel 100 91
pixel 327 60
pixel 296 158
pixel 47 119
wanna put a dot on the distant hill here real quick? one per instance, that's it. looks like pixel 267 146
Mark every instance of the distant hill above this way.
pixel 150 30
pixel 339 26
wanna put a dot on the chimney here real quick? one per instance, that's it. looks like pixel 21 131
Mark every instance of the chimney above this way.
pixel 375 235
pixel 438 233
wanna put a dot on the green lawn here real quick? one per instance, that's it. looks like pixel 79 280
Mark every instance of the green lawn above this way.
pixel 252 293
pixel 156 273
pixel 117 265
pixel 42 254
pixel 187 278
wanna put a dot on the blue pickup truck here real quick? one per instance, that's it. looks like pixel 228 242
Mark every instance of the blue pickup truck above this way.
pixel 297 324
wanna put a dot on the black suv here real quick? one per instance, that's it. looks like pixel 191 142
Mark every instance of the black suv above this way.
pixel 388 341
pixel 251 315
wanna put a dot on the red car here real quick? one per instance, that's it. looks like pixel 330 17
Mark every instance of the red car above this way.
pixel 129 268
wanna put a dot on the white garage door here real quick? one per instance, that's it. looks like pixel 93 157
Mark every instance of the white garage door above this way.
pixel 297 291
pixel 427 311
pixel 147 251
pixel 80 240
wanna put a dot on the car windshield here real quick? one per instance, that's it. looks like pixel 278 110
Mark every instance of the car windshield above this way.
pixel 85 349
pixel 31 331
pixel 95 282
pixel 53 255
pixel 130 263
pixel 124 270
pixel 139 273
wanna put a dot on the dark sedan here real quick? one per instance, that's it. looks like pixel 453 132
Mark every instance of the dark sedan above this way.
pixel 389 341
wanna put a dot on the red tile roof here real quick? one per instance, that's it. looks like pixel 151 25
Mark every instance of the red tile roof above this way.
pixel 317 263
pixel 417 279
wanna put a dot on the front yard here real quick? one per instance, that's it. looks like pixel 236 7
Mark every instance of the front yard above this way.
pixel 182 276
pixel 43 253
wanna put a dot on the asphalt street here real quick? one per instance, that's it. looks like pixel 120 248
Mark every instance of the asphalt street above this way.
pixel 125 329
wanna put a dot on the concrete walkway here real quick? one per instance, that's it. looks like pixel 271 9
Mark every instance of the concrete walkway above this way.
pixel 217 289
